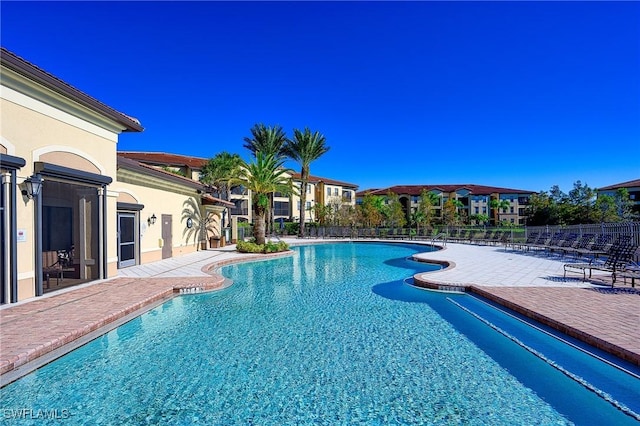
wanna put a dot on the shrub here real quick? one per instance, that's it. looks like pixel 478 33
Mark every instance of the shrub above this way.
pixel 268 247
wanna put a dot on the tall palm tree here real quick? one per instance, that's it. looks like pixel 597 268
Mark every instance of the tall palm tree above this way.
pixel 305 148
pixel 270 140
pixel 266 139
pixel 220 172
pixel 263 177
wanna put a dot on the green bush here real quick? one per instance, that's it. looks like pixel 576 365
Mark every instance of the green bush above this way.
pixel 268 247
pixel 291 228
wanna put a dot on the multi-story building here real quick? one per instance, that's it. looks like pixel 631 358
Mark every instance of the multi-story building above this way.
pixel 285 206
pixel 324 191
pixel 498 204
pixel 632 187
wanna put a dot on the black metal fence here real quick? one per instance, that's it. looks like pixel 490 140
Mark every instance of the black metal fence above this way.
pixel 462 233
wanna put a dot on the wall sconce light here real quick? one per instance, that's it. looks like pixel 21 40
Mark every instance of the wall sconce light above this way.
pixel 34 185
pixel 152 220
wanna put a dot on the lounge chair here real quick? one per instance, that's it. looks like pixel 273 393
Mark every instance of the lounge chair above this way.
pixel 619 259
pixel 565 240
pixel 599 247
pixel 542 241
pixel 581 243
pixel 531 239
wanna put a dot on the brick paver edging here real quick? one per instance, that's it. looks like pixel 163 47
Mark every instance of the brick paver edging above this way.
pixel 55 310
pixel 569 330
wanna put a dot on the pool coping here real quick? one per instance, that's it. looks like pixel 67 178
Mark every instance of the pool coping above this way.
pixel 421 280
pixel 14 367
pixel 24 363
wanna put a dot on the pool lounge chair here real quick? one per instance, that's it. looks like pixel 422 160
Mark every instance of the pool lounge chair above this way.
pixel 619 259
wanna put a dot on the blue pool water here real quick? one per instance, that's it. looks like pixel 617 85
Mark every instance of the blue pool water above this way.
pixel 331 335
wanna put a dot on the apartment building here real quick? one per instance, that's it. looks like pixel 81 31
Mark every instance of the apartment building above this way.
pixel 633 188
pixel 324 191
pixel 473 200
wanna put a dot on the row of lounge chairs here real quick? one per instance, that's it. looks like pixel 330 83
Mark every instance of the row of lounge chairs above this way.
pixel 569 243
pixel 462 236
pixel 619 259
pixel 602 252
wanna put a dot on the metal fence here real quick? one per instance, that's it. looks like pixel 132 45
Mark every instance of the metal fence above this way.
pixel 514 233
pixel 631 229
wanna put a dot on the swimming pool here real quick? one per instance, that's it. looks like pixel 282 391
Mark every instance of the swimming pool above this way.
pixel 331 335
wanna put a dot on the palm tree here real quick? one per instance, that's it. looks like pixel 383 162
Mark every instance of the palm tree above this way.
pixel 219 172
pixel 496 205
pixel 305 148
pixel 263 177
pixel 270 140
pixel 266 139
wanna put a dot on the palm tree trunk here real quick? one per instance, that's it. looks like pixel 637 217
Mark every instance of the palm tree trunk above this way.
pixel 304 177
pixel 259 224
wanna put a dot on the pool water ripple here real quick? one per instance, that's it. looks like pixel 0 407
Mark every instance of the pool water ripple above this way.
pixel 296 340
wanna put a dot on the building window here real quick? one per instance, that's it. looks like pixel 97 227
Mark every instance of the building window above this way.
pixel 512 210
pixel 484 210
pixel 335 192
pixel 308 204
pixel 298 205
pixel 329 192
pixel 477 210
pixel 308 189
pixel 281 208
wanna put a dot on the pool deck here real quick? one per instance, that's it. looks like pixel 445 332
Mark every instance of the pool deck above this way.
pixel 35 331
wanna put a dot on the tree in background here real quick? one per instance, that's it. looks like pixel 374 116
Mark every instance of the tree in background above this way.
pixel 449 213
pixel 219 173
pixel 581 200
pixel 393 212
pixel 580 205
pixel 264 177
pixel 426 203
pixel 321 213
pixel 305 148
pixel 496 205
pixel 370 211
pixel 624 205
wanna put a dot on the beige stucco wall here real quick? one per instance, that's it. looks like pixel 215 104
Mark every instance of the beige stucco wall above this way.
pixel 38 131
pixel 167 200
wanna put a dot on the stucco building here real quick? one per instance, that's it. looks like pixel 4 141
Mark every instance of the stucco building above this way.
pixel 474 200
pixel 70 211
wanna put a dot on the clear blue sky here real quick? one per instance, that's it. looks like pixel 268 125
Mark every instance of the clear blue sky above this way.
pixel 523 95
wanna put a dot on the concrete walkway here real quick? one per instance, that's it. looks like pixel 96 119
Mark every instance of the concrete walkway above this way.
pixel 38 330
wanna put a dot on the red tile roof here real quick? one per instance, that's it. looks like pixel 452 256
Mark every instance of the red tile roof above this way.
pixel 315 179
pixel 417 189
pixel 165 159
pixel 630 184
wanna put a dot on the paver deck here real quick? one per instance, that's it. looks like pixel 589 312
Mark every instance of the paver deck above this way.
pixel 529 283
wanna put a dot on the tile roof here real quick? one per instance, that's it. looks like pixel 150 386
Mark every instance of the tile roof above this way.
pixel 630 184
pixel 165 159
pixel 134 165
pixel 25 68
pixel 325 180
pixel 417 189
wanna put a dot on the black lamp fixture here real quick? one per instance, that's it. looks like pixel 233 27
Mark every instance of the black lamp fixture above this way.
pixel 34 186
pixel 152 220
